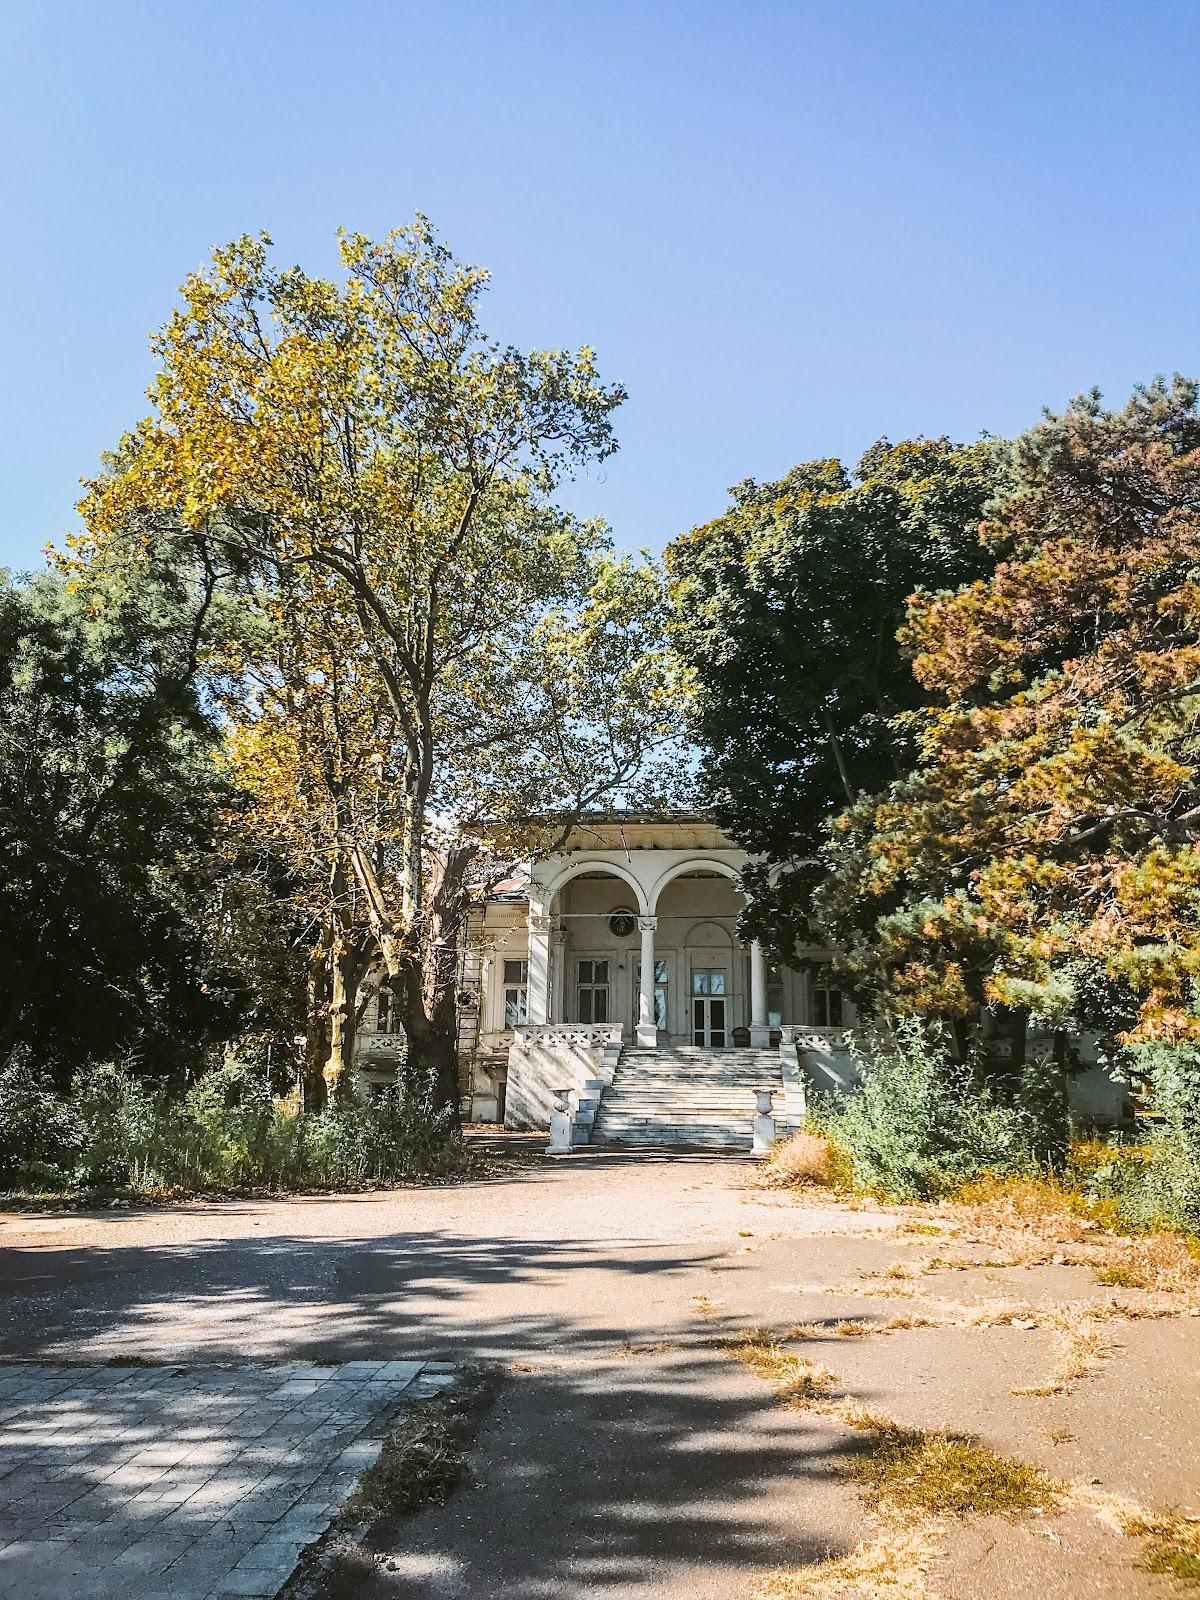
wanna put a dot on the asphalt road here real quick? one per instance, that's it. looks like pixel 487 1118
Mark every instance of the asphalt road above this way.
pixel 627 1457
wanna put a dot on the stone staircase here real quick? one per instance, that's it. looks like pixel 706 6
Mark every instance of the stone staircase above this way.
pixel 687 1097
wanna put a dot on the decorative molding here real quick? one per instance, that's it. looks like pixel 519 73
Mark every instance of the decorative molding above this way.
pixel 647 924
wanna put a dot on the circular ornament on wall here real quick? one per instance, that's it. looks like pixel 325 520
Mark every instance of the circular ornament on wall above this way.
pixel 622 922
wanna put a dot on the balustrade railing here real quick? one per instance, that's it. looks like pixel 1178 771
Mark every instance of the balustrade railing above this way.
pixel 589 1034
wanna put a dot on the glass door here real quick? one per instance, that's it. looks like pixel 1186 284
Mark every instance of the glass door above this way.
pixel 708 1007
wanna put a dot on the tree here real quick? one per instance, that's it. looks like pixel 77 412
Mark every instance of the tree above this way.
pixel 1043 857
pixel 384 476
pixel 787 609
pixel 109 797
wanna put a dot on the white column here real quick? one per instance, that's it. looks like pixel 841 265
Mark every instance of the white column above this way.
pixel 558 975
pixel 539 965
pixel 647 1030
pixel 760 1027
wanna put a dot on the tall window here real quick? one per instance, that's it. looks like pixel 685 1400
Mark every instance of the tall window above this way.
pixel 826 1001
pixel 385 1016
pixel 516 993
pixel 592 991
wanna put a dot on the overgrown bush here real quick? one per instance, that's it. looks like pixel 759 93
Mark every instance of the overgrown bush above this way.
pixel 1157 1182
pixel 920 1124
pixel 39 1132
pixel 228 1131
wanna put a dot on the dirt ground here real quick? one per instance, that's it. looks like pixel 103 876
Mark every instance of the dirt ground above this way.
pixel 628 1456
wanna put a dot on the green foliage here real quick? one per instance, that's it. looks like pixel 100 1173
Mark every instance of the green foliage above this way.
pixel 1156 1184
pixel 787 609
pixel 920 1124
pixel 108 800
pixel 39 1131
pixel 229 1131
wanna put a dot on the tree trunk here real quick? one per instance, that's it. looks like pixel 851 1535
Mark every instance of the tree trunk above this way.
pixel 316 1043
pixel 835 744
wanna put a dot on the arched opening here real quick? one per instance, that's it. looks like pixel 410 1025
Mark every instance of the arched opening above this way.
pixel 595 939
pixel 702 970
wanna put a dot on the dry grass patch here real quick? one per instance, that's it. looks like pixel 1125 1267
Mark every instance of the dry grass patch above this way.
pixel 804 1161
pixel 1172 1544
pixel 710 1310
pixel 796 1382
pixel 941 1474
pixel 423 1460
pixel 1167 1263
pixel 891 1567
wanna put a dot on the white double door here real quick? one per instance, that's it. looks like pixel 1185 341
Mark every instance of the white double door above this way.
pixel 709 1001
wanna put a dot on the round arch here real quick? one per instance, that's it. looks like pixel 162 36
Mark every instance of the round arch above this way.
pixel 602 868
pixel 721 868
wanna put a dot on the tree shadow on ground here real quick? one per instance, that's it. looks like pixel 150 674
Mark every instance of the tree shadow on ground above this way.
pixel 603 1470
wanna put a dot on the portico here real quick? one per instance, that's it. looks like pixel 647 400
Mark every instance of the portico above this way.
pixel 635 922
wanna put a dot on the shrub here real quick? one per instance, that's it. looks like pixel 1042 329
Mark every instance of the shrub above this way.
pixel 116 1116
pixel 804 1159
pixel 39 1132
pixel 920 1124
pixel 1156 1183
pixel 228 1131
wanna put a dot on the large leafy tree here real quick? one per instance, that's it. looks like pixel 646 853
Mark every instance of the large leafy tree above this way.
pixel 436 633
pixel 1044 856
pixel 109 799
pixel 787 610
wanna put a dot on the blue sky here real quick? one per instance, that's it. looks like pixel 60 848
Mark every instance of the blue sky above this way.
pixel 787 228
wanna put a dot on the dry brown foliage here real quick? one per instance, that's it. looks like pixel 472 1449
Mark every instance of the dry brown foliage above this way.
pixel 803 1161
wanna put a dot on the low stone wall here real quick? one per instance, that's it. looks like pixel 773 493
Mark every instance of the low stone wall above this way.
pixel 545 1057
pixel 823 1057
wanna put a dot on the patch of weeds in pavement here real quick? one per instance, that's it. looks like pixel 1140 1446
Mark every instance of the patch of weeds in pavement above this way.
pixel 942 1474
pixel 1172 1544
pixel 890 1567
pixel 1118 1277
pixel 1083 1349
pixel 710 1310
pixel 423 1459
pixel 654 1347
pixel 796 1381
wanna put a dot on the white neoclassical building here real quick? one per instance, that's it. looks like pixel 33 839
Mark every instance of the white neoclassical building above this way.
pixel 628 935
pixel 609 978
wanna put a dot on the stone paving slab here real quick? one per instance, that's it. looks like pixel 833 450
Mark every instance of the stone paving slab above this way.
pixel 193 1483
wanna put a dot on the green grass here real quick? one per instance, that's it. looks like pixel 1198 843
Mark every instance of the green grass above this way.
pixel 947 1475
pixel 1172 1545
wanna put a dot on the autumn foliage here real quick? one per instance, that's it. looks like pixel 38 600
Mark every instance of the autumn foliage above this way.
pixel 1043 855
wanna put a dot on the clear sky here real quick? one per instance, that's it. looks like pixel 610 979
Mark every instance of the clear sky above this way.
pixel 787 228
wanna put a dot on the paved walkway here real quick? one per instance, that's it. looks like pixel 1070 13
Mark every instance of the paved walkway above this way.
pixel 627 1458
pixel 181 1483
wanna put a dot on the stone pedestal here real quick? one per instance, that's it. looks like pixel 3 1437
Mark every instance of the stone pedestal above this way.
pixel 764 1123
pixel 561 1122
